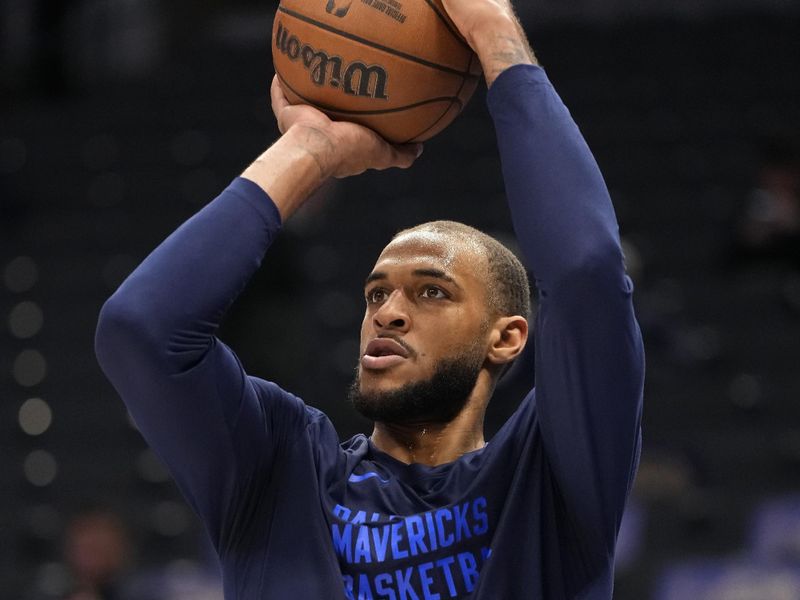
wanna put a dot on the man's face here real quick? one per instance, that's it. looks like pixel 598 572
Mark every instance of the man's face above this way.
pixel 424 334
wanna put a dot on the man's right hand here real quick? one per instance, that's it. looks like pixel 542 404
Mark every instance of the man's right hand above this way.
pixel 313 148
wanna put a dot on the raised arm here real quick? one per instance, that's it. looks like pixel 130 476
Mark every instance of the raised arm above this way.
pixel 589 356
pixel 216 428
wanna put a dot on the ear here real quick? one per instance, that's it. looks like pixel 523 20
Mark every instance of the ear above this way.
pixel 507 339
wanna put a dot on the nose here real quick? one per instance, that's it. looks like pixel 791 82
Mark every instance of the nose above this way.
pixel 393 314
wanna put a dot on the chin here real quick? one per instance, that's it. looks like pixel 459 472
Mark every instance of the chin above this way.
pixel 391 396
pixel 371 382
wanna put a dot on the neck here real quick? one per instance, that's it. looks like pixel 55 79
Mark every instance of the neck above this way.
pixel 436 443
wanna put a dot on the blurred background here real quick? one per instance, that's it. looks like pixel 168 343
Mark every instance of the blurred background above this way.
pixel 121 118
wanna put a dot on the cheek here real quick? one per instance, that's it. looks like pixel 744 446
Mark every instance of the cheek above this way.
pixel 465 335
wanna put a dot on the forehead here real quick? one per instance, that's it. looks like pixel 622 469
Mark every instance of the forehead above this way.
pixel 454 254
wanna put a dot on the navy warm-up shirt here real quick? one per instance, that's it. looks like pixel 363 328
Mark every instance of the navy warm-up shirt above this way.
pixel 293 513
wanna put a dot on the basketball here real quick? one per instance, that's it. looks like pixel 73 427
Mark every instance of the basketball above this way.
pixel 399 67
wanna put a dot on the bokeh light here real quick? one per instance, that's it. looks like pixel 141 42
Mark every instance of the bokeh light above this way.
pixel 25 320
pixel 150 467
pixel 53 579
pixel 170 518
pixel 40 468
pixel 35 416
pixel 21 274
pixel 30 368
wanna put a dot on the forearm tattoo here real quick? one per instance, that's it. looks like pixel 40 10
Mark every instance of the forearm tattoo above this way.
pixel 505 51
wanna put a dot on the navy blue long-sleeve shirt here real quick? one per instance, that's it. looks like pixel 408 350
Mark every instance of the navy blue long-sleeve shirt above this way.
pixel 294 513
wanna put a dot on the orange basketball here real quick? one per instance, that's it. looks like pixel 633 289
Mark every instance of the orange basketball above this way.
pixel 399 67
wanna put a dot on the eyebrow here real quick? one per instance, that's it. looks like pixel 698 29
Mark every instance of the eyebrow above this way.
pixel 435 273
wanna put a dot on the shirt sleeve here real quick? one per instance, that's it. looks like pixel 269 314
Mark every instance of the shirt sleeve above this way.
pixel 217 429
pixel 588 346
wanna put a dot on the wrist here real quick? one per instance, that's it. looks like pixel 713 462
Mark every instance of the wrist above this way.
pixel 483 32
pixel 316 143
pixel 501 43
pixel 293 167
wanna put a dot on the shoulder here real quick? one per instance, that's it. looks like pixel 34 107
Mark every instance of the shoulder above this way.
pixel 283 407
pixel 271 393
pixel 280 409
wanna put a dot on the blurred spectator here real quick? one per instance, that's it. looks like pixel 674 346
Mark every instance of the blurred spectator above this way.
pixel 97 551
pixel 97 555
pixel 770 225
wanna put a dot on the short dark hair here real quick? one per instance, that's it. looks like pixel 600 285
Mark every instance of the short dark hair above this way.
pixel 507 286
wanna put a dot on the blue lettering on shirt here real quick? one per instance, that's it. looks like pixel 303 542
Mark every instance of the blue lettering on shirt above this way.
pixel 462 524
pixel 383 587
pixel 341 541
pixel 469 569
pixel 416 535
pixel 444 539
pixel 362 553
pixel 426 580
pixel 404 588
pixel 397 538
pixel 380 539
pixel 480 516
pixel 444 564
pixel 405 545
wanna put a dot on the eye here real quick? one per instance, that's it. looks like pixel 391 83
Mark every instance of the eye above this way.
pixel 375 295
pixel 431 291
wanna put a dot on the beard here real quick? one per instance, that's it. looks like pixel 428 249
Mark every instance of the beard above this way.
pixel 438 399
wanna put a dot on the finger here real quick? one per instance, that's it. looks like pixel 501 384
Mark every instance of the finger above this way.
pixel 279 101
pixel 387 155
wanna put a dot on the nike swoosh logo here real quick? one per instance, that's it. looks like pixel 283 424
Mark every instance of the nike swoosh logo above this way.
pixel 359 478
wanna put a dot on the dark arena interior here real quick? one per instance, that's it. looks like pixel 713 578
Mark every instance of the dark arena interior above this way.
pixel 121 118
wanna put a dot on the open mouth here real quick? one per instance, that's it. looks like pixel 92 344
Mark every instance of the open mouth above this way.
pixel 386 347
pixel 382 353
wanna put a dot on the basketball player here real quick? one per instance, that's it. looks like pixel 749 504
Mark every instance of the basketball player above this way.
pixel 424 509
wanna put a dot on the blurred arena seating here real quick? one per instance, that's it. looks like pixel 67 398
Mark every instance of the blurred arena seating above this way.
pixel 93 177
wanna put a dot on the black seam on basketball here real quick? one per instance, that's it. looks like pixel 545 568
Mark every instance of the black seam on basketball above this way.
pixel 449 106
pixel 444 20
pixel 474 59
pixel 431 126
pixel 366 42
pixel 449 99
